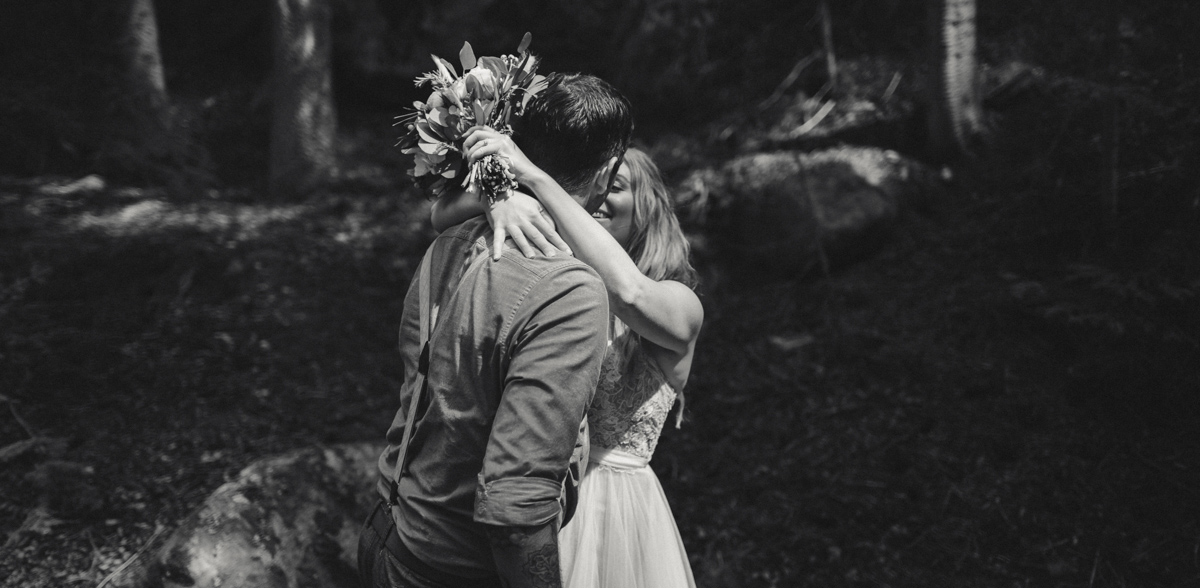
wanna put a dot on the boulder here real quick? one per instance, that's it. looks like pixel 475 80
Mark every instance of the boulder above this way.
pixel 286 521
pixel 784 213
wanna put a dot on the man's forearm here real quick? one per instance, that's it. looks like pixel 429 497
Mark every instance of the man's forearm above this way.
pixel 526 556
pixel 455 206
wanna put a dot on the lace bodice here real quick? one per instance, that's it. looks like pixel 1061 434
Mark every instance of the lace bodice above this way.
pixel 631 403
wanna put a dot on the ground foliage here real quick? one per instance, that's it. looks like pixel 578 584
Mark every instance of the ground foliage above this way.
pixel 1004 395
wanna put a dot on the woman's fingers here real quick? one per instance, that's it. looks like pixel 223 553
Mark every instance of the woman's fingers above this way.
pixel 539 241
pixel 548 231
pixel 523 244
pixel 475 145
pixel 498 237
pixel 477 152
pixel 478 134
pixel 474 134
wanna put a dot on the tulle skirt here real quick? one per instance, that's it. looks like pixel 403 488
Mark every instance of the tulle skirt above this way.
pixel 622 534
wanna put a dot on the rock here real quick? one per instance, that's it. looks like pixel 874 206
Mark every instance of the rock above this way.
pixel 285 521
pixel 84 185
pixel 783 213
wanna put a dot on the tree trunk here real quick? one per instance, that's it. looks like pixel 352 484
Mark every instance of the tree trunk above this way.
pixel 303 118
pixel 139 42
pixel 956 113
pixel 133 26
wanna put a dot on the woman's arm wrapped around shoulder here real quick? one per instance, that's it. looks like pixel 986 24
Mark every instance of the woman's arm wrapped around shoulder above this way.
pixel 519 217
pixel 666 313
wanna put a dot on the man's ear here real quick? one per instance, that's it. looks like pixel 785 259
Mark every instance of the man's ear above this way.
pixel 600 185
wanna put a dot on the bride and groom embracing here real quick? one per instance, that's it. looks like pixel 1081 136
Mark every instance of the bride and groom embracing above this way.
pixel 527 368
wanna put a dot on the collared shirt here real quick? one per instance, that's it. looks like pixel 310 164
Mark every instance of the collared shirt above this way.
pixel 513 365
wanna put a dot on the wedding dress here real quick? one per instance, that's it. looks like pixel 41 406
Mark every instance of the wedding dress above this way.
pixel 623 534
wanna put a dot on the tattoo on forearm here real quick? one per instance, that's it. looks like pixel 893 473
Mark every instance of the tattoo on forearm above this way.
pixel 542 566
pixel 536 550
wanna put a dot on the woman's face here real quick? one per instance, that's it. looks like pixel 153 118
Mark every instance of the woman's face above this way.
pixel 616 213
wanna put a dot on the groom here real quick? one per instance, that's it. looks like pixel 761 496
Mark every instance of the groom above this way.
pixel 513 357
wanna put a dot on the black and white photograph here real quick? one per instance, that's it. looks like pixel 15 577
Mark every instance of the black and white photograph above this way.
pixel 599 294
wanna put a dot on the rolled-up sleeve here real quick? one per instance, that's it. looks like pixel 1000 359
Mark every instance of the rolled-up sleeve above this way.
pixel 556 346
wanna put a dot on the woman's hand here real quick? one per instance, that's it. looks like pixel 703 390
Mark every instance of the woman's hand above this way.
pixel 483 141
pixel 521 217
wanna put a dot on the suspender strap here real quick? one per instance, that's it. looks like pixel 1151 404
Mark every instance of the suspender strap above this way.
pixel 429 316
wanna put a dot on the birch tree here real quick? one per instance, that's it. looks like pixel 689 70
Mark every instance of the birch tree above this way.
pixel 956 112
pixel 138 41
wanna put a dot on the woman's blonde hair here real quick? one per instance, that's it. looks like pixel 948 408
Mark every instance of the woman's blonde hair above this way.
pixel 656 245
pixel 656 242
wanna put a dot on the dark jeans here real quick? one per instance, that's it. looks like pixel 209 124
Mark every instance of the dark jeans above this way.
pixel 383 562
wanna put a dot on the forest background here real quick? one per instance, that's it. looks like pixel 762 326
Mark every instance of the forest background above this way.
pixel 1001 390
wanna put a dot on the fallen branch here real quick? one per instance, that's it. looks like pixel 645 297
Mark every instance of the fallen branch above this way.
pixel 788 81
pixel 20 421
pixel 133 557
pixel 891 89
pixel 815 120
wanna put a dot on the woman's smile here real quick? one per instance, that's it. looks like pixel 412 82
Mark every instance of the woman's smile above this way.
pixel 616 214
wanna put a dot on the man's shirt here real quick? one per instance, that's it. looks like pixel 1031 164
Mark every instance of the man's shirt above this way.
pixel 513 365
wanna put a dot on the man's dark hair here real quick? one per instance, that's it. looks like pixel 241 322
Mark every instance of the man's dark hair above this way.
pixel 573 126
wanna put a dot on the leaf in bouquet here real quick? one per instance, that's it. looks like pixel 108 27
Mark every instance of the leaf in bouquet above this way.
pixel 518 70
pixel 445 69
pixel 420 165
pixel 539 84
pixel 427 133
pixel 436 100
pixel 480 114
pixel 432 148
pixel 494 65
pixel 525 41
pixel 487 82
pixel 527 72
pixel 531 64
pixel 408 141
pixel 455 92
pixel 438 116
pixel 466 56
pixel 474 88
pixel 406 118
pixel 432 78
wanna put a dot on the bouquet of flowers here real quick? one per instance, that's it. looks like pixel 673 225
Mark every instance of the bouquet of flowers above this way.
pixel 490 92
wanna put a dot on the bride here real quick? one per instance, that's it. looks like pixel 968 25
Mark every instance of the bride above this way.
pixel 623 534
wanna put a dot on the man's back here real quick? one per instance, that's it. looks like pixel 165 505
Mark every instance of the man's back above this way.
pixel 513 364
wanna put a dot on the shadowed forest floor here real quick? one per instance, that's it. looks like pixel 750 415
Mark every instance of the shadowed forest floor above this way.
pixel 908 421
pixel 1003 394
